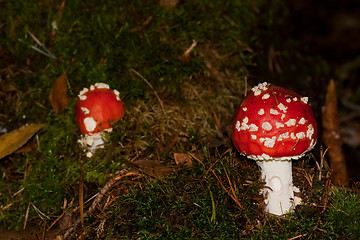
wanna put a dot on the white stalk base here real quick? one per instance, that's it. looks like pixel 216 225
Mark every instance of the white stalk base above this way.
pixel 91 142
pixel 278 192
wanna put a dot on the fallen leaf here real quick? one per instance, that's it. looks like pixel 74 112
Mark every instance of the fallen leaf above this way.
pixel 182 158
pixel 58 95
pixel 169 3
pixel 331 136
pixel 154 168
pixel 28 147
pixel 15 139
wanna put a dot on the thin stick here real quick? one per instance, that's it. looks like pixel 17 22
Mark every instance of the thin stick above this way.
pixel 148 83
pixel 39 212
pixel 227 191
pixel 232 188
pixel 47 51
pixel 26 216
pixel 56 220
pixel 187 52
pixel 193 156
pixel 298 236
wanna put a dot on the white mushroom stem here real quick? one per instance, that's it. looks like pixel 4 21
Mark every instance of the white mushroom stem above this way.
pixel 278 192
pixel 91 142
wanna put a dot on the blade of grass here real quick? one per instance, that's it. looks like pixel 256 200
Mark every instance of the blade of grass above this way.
pixel 213 214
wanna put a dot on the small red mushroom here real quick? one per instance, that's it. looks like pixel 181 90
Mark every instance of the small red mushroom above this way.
pixel 96 109
pixel 272 126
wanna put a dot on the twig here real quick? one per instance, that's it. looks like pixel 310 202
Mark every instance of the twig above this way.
pixel 45 51
pixel 321 166
pixel 298 236
pixel 327 189
pixel 227 191
pixel 22 189
pixel 148 83
pixel 26 216
pixel 309 178
pixel 39 212
pixel 187 52
pixel 56 220
pixel 232 188
pixel 98 199
pixel 193 156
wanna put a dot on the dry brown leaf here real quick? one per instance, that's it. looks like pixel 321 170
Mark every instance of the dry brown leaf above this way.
pixel 331 136
pixel 58 95
pixel 169 3
pixel 182 158
pixel 28 147
pixel 154 168
pixel 15 139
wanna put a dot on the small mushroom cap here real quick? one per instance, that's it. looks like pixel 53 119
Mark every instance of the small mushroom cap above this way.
pixel 97 107
pixel 274 123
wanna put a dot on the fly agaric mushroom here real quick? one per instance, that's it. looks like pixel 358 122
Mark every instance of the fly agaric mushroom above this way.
pixel 272 126
pixel 96 109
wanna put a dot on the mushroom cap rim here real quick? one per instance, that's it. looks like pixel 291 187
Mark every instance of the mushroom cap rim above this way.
pixel 265 157
pixel 268 158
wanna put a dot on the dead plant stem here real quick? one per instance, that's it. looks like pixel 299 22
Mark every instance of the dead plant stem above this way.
pixel 148 83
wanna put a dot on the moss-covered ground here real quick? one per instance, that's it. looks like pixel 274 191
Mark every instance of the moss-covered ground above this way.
pixel 180 101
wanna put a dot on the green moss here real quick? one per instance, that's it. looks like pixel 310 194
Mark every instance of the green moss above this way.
pixel 178 207
pixel 344 213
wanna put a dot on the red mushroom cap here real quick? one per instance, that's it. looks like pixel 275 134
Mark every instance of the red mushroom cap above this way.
pixel 274 123
pixel 97 107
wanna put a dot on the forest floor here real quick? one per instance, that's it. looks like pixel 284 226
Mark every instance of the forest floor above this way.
pixel 169 169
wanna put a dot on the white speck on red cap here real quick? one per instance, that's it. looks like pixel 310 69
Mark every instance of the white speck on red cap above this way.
pixel 257 89
pixel 237 125
pixel 266 126
pixel 310 131
pixel 302 121
pixel 253 128
pixel 274 111
pixel 90 124
pixel 82 95
pixel 85 110
pixel 291 122
pixel 305 100
pixel 282 107
pixel 102 85
pixel 265 96
pixel 300 135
